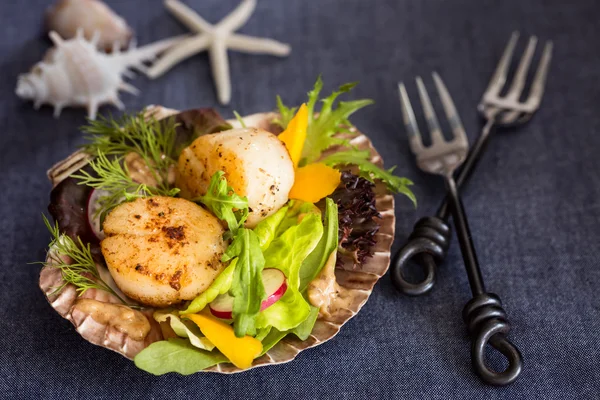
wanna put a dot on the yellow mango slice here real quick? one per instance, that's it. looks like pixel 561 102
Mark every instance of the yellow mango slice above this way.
pixel 314 181
pixel 294 135
pixel 240 351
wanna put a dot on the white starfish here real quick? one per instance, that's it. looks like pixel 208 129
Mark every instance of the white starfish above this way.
pixel 216 39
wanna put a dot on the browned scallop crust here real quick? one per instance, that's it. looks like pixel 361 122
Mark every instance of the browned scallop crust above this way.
pixel 357 284
pixel 162 250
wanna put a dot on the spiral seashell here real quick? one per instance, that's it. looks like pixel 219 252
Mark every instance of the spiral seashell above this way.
pixel 75 73
pixel 67 16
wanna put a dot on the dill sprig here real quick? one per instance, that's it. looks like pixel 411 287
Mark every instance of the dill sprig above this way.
pixel 239 119
pixel 153 140
pixel 113 177
pixel 82 272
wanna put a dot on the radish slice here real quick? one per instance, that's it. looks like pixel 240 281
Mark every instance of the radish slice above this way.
pixel 93 206
pixel 275 287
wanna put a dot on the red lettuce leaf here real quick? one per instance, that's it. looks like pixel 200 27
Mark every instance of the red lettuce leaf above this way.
pixel 357 217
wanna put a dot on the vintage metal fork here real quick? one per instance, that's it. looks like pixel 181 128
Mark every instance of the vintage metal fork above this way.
pixel 430 239
pixel 486 320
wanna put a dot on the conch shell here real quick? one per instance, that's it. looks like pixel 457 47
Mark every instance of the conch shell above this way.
pixel 75 73
pixel 66 16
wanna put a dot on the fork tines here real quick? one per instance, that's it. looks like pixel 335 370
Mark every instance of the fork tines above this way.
pixel 441 155
pixel 510 101
pixel 410 121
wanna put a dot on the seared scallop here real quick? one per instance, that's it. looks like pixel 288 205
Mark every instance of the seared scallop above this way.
pixel 162 250
pixel 255 162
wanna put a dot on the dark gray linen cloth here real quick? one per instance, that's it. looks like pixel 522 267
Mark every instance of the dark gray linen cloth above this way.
pixel 533 204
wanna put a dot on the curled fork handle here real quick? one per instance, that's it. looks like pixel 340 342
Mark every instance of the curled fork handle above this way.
pixel 493 332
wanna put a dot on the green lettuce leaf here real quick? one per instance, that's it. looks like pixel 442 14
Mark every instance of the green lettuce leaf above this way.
pixel 287 313
pixel 220 285
pixel 224 203
pixel 267 228
pixel 272 339
pixel 371 171
pixel 287 253
pixel 303 331
pixel 184 329
pixel 247 287
pixel 262 333
pixel 305 328
pixel 296 211
pixel 176 355
pixel 315 261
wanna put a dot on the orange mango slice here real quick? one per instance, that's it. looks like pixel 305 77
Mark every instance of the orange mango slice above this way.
pixel 294 135
pixel 314 181
pixel 240 351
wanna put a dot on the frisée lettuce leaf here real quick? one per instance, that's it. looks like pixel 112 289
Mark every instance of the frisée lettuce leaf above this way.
pixel 325 124
pixel 322 128
pixel 370 171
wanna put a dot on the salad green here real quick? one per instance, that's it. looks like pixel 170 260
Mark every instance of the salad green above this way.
pixel 286 253
pixel 321 135
pixel 298 240
pixel 328 243
pixel 184 329
pixel 220 285
pixel 176 355
pixel 294 240
pixel 267 228
pixel 247 287
pixel 370 171
pixel 322 128
pixel 224 203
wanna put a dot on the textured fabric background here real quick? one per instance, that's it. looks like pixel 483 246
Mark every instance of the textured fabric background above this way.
pixel 533 204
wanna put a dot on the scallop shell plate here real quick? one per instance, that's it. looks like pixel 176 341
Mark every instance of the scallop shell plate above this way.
pixel 357 284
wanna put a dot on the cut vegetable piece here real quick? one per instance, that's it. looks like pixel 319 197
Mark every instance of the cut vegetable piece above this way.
pixel 275 287
pixel 183 329
pixel 219 286
pixel 240 351
pixel 294 135
pixel 314 181
pixel 93 205
pixel 222 306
